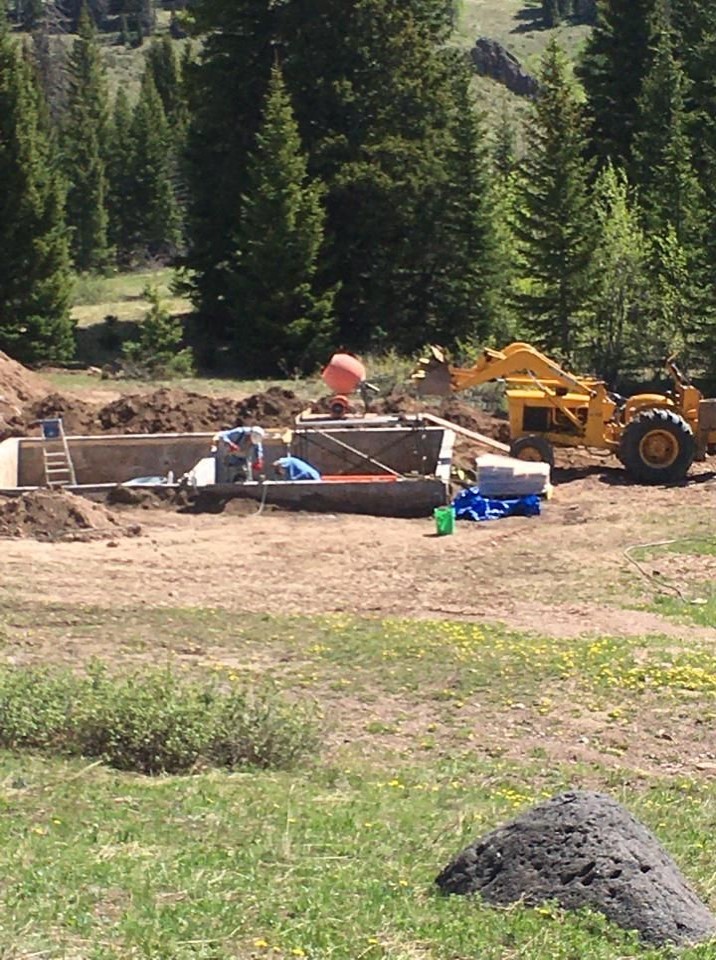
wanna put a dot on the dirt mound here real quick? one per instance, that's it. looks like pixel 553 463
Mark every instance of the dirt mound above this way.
pixel 162 411
pixel 458 411
pixel 58 515
pixel 18 387
pixel 275 408
pixel 181 411
pixel 584 849
pixel 473 418
pixel 78 416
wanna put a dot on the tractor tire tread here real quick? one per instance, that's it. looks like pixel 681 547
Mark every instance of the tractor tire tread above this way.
pixel 639 427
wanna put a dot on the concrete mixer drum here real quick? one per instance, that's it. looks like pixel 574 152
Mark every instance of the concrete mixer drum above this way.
pixel 345 374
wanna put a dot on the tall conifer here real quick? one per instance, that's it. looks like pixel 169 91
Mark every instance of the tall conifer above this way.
pixel 662 159
pixel 85 149
pixel 467 285
pixel 372 83
pixel 120 165
pixel 153 210
pixel 670 192
pixel 284 319
pixel 612 71
pixel 554 224
pixel 35 322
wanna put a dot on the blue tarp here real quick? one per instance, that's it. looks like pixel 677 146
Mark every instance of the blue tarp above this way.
pixel 471 505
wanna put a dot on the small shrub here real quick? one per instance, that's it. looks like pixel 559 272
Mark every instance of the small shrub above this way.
pixel 36 708
pixel 261 730
pixel 157 352
pixel 153 722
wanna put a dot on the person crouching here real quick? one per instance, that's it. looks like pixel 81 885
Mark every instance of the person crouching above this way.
pixel 293 468
pixel 239 454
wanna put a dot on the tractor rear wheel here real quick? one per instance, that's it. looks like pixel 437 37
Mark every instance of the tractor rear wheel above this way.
pixel 536 449
pixel 658 446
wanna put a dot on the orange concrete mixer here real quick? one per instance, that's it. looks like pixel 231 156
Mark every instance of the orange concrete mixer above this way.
pixel 345 374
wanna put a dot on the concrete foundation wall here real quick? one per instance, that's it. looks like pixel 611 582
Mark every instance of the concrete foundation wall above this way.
pixel 401 498
pixel 118 458
pixel 9 455
pixel 115 459
pixel 403 450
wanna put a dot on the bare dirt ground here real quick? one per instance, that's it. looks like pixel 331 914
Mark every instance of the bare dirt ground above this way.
pixel 562 574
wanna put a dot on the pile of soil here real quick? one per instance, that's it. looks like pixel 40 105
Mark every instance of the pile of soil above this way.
pixel 584 849
pixel 78 416
pixel 58 515
pixel 18 388
pixel 162 411
pixel 458 411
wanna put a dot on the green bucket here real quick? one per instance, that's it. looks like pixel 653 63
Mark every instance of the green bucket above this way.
pixel 444 520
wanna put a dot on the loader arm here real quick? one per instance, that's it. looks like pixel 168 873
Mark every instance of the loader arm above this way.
pixel 434 375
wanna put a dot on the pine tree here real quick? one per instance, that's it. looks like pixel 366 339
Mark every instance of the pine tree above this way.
pixel 372 84
pixel 662 161
pixel 671 196
pixel 284 320
pixel 554 220
pixel 505 148
pixel 35 322
pixel 468 286
pixel 612 71
pixel 121 184
pixel 620 306
pixel 226 87
pixel 85 149
pixel 152 207
pixel 163 65
pixel 157 352
pixel 167 74
pixel 49 57
pixel 694 26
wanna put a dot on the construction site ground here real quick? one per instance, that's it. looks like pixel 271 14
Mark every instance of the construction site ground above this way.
pixel 564 573
pixel 457 680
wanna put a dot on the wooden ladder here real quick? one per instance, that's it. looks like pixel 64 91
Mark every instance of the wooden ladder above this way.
pixel 59 468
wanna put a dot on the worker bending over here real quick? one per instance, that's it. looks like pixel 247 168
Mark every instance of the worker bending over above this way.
pixel 239 454
pixel 293 468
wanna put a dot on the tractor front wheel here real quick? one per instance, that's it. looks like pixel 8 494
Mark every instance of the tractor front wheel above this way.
pixel 536 449
pixel 658 446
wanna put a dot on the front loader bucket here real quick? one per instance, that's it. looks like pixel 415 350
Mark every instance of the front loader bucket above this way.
pixel 432 375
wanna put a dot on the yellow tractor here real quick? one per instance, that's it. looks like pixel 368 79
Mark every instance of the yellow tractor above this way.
pixel 656 436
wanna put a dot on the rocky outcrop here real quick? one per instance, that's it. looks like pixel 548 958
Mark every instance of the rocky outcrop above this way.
pixel 491 59
pixel 584 849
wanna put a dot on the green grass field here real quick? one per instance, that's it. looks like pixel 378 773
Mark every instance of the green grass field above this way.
pixel 433 733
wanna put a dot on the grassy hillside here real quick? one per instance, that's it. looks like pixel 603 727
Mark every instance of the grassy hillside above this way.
pixel 517 24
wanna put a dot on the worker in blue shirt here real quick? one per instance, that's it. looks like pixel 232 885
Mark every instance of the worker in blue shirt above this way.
pixel 239 454
pixel 292 468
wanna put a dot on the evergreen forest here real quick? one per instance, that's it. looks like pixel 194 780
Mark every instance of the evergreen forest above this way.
pixel 326 174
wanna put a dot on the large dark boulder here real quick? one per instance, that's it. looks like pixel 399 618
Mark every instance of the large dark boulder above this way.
pixel 584 849
pixel 491 59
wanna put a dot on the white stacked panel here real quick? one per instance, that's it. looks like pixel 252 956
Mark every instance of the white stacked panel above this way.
pixel 506 477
